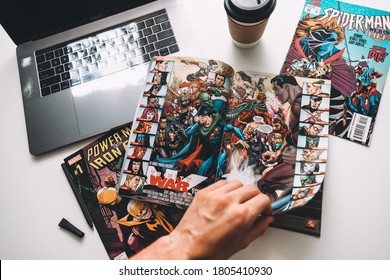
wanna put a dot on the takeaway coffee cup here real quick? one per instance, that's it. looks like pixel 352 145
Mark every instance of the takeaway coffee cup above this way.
pixel 247 20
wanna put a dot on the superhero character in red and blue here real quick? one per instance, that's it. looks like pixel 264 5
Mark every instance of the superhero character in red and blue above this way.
pixel 202 154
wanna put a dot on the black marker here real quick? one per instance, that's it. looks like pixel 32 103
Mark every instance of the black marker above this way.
pixel 78 196
pixel 65 224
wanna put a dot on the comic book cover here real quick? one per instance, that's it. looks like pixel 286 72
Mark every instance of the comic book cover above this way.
pixel 125 226
pixel 200 121
pixel 348 44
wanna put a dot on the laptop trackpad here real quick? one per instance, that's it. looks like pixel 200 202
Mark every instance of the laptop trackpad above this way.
pixel 109 101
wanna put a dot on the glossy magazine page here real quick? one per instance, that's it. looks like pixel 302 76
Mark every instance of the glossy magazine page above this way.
pixel 348 44
pixel 199 121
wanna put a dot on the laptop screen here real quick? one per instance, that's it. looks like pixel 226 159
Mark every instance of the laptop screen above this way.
pixel 27 20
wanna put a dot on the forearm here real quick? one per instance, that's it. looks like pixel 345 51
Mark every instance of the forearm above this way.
pixel 163 248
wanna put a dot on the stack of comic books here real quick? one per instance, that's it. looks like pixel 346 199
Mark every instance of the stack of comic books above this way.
pixel 125 226
pixel 347 44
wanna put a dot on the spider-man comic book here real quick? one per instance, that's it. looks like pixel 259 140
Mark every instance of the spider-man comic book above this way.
pixel 349 45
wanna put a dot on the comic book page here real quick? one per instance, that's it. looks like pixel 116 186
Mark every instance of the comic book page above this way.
pixel 199 121
pixel 348 44
pixel 276 136
pixel 125 226
pixel 177 132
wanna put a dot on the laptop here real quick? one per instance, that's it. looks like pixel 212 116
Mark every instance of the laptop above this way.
pixel 82 64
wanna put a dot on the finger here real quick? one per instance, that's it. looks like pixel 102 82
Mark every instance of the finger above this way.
pixel 259 204
pixel 229 186
pixel 216 185
pixel 245 192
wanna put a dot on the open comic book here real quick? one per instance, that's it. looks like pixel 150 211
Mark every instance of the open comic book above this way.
pixel 199 121
pixel 125 226
pixel 348 44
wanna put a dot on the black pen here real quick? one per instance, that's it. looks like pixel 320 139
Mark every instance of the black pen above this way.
pixel 78 196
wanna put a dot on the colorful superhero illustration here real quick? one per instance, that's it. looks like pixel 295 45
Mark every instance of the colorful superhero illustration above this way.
pixel 97 181
pixel 147 223
pixel 347 44
pixel 215 123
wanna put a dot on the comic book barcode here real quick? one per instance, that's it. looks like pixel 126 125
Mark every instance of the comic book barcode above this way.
pixel 312 10
pixel 359 127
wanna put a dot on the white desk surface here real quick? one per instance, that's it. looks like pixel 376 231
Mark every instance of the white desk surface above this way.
pixel 35 194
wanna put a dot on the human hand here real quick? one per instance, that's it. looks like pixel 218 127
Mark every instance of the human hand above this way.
pixel 221 220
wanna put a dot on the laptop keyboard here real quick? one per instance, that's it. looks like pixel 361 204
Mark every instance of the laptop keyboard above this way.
pixel 97 55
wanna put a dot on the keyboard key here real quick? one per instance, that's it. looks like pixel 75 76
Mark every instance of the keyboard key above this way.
pixel 166 25
pixel 68 50
pixel 164 52
pixel 40 58
pixel 46 73
pixel 149 48
pixel 131 27
pixel 123 48
pixel 65 76
pixel 74 56
pixel 112 34
pixel 130 54
pixel 134 61
pixel 147 31
pixel 50 81
pixel 153 54
pixel 156 28
pixel 44 66
pixel 93 67
pixel 49 55
pixel 152 38
pixel 59 69
pixel 45 91
pixel 86 43
pixel 64 85
pixel 145 58
pixel 165 34
pixel 174 48
pixel 76 47
pixel 133 45
pixel 141 25
pixel 55 88
pixel 149 22
pixel 143 42
pixel 165 42
pixel 121 31
pixel 87 60
pixel 58 53
pixel 75 81
pixel 77 63
pixel 118 41
pixel 93 50
pixel 68 66
pixel 64 59
pixel 74 73
pixel 55 62
pixel 84 70
pixel 161 18
pixel 83 53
